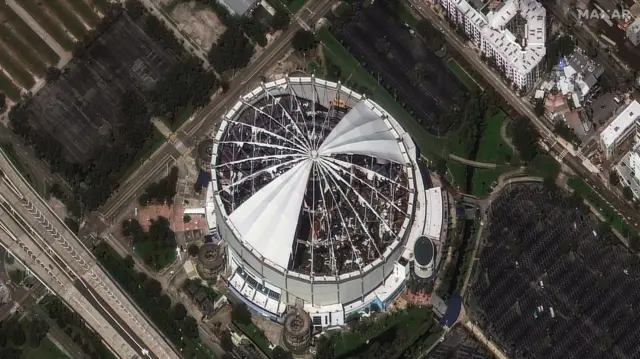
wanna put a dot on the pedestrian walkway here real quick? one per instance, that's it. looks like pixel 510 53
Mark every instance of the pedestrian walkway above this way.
pixel 471 162
pixel 42 33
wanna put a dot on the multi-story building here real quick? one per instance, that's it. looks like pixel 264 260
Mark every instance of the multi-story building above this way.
pixel 633 32
pixel 512 33
pixel 622 132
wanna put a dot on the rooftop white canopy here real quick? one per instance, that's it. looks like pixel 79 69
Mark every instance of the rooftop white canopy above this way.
pixel 269 218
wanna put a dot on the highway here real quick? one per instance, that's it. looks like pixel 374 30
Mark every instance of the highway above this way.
pixel 206 118
pixel 575 162
pixel 39 239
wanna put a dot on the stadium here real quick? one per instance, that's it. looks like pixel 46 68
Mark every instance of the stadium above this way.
pixel 319 198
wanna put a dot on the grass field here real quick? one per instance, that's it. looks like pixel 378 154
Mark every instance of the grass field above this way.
pixel 295 5
pixel 599 203
pixel 13 158
pixel 184 116
pixel 84 11
pixel 46 350
pixel 47 23
pixel 492 147
pixel 29 36
pixel 102 5
pixel 26 54
pixel 586 192
pixel 462 74
pixel 353 72
pixel 8 88
pixel 15 69
pixel 68 19
pixel 543 165
pixel 483 178
pixel 458 173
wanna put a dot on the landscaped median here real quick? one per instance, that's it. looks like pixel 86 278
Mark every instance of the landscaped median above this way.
pixel 354 73
pixel 594 199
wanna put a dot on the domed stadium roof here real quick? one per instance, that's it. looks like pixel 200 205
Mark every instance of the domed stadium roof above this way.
pixel 314 185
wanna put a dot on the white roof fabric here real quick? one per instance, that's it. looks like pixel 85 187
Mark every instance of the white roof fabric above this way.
pixel 267 221
pixel 434 213
pixel 620 124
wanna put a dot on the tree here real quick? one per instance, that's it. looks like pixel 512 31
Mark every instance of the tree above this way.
pixel 193 250
pixel 432 37
pixel 134 8
pixel 303 41
pixel 280 20
pixel 190 327
pixel 186 218
pixel 52 74
pixel 627 193
pixel 525 139
pixel 178 312
pixel 3 101
pixel 549 183
pixel 614 179
pixel 241 314
pixel 225 341
pixel 232 50
pixel 35 331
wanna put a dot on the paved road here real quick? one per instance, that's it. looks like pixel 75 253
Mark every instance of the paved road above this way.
pixel 206 118
pixel 525 109
pixel 50 249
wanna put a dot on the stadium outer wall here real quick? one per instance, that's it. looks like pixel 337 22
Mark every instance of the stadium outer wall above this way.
pixel 316 290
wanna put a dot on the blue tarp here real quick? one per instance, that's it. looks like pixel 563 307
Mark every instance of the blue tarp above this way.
pixel 204 178
pixel 454 306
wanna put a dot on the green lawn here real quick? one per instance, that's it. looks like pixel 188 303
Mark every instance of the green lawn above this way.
pixel 13 158
pixel 184 116
pixel 26 55
pixel 483 178
pixel 34 41
pixel 586 192
pixel 8 88
pixel 458 173
pixel 16 70
pixel 492 148
pixel 407 17
pixel 85 12
pixel 68 19
pixel 46 350
pixel 462 74
pixel 295 5
pixel 543 165
pixel 353 72
pixel 102 5
pixel 34 9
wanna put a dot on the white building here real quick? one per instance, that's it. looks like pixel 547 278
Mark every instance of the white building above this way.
pixel 621 130
pixel 633 32
pixel 629 170
pixel 513 34
pixel 317 193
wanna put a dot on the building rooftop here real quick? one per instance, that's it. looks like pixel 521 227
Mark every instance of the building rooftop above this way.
pixel 522 54
pixel 620 124
pixel 423 251
pixel 313 181
pixel 240 7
